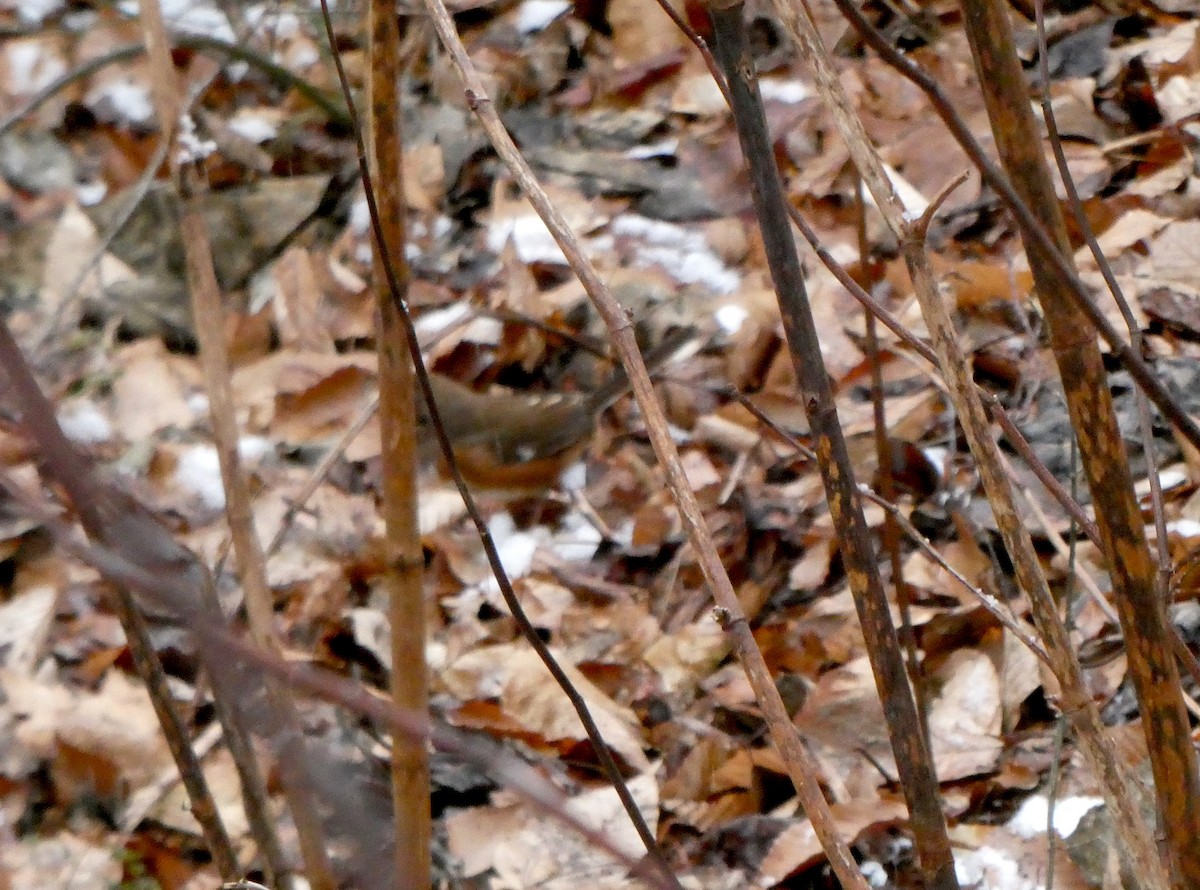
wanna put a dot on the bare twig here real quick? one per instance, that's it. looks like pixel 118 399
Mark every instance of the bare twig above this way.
pixel 37 417
pixel 1055 260
pixel 404 571
pixel 886 476
pixel 578 704
pixel 1118 295
pixel 147 564
pixel 995 410
pixel 321 471
pixel 801 767
pixel 998 610
pixel 1076 703
pixel 701 47
pixel 210 331
pixel 910 745
pixel 1134 573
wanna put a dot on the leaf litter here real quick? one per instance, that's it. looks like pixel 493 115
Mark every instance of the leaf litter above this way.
pixel 622 122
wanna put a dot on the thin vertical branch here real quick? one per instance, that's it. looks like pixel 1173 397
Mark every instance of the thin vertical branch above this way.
pixel 404 569
pixel 914 760
pixel 997 609
pixel 1075 701
pixel 1162 548
pixel 214 360
pixel 142 556
pixel 133 550
pixel 607 762
pixel 85 494
pixel 701 47
pixel 801 767
pixel 1089 402
pixel 255 797
pixel 991 404
pixel 886 476
pixel 210 333
pixel 1114 288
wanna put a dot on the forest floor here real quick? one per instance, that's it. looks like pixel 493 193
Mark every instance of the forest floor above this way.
pixel 621 121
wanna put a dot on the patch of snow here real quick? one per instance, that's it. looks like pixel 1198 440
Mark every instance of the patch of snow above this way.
pixel 911 199
pixel 438 321
pixel 197 403
pixel 664 148
pixel 303 57
pixel 123 100
pixel 360 216
pixel 1171 477
pixel 192 148
pixel 31 67
pixel 193 17
pixel 254 127
pixel 252 449
pixel 1185 528
pixel 990 869
pixel 1186 615
pixel 731 317
pixel 487 331
pixel 576 540
pixel 83 422
pixel 535 15
pixel 683 253
pixel 845 254
pixel 76 21
pixel 623 534
pixel 198 471
pixel 34 12
pixel 1030 820
pixel 529 236
pixel 269 20
pixel 89 194
pixel 786 91
pixel 574 477
pixel 874 872
pixel 516 550
pixel 937 456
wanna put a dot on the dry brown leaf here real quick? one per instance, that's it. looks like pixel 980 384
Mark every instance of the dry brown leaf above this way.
pixel 1130 229
pixel 534 700
pixel 965 717
pixel 72 245
pixel 116 726
pixel 25 622
pixel 424 177
pixel 692 779
pixel 992 856
pixel 529 850
pixel 298 380
pixel 811 570
pixel 152 391
pixel 964 556
pixel 174 811
pixel 685 657
pixel 843 715
pixel 797 847
pixel 299 305
pixel 65 861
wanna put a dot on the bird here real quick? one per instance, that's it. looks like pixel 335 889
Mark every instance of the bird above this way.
pixel 513 444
